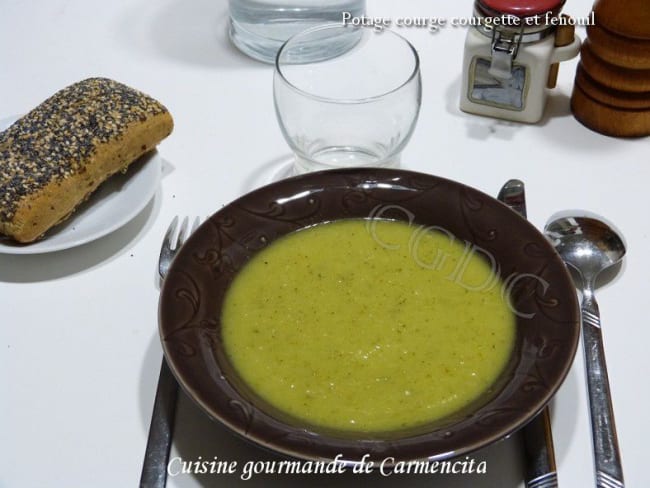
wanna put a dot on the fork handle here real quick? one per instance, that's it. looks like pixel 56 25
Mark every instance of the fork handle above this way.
pixel 607 457
pixel 154 468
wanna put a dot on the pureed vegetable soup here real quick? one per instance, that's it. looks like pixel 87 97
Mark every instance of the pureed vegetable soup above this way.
pixel 368 326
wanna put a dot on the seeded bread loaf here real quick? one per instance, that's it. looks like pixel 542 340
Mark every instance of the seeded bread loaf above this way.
pixel 54 157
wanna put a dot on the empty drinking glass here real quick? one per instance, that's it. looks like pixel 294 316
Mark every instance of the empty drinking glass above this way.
pixel 356 105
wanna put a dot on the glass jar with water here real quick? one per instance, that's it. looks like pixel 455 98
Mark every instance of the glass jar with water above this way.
pixel 260 27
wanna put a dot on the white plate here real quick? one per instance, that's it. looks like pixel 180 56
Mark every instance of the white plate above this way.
pixel 118 200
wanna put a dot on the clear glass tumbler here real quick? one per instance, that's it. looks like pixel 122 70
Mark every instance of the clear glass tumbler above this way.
pixel 356 106
pixel 259 27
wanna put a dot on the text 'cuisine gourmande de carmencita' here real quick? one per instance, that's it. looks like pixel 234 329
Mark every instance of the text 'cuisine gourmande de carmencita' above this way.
pixel 386 467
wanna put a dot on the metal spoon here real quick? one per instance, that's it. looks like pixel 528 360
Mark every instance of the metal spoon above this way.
pixel 590 246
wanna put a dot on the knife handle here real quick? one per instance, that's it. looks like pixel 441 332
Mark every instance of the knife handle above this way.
pixel 541 471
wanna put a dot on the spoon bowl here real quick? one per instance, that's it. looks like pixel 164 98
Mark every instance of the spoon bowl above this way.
pixel 587 244
pixel 590 245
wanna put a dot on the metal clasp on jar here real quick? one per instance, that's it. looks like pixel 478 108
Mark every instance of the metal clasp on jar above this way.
pixel 505 46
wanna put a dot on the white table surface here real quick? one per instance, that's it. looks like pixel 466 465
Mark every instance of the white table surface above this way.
pixel 79 349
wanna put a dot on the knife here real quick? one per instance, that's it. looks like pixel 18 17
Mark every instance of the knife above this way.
pixel 541 471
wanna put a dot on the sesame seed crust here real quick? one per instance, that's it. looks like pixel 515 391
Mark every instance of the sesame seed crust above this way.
pixel 63 138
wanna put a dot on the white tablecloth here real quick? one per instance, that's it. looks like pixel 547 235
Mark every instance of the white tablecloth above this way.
pixel 79 350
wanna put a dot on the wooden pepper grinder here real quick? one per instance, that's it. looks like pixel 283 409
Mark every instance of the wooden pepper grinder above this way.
pixel 612 86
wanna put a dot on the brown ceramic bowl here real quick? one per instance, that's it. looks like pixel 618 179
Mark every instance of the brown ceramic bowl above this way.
pixel 193 291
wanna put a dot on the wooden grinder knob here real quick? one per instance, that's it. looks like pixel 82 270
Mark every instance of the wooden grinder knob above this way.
pixel 564 35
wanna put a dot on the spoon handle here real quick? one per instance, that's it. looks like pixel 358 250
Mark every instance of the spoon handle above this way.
pixel 609 472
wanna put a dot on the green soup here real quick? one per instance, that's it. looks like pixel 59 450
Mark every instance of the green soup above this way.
pixel 368 326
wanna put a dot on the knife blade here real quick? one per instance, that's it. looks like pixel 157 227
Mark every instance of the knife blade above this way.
pixel 541 471
pixel 513 194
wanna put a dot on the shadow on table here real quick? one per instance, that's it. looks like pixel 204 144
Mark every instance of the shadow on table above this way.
pixel 478 127
pixel 557 126
pixel 567 132
pixel 190 31
pixel 34 268
pixel 564 426
pixel 269 172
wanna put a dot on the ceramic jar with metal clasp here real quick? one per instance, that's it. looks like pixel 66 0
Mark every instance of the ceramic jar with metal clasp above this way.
pixel 509 51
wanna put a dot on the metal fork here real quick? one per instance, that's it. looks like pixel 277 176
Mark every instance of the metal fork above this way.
pixel 154 468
